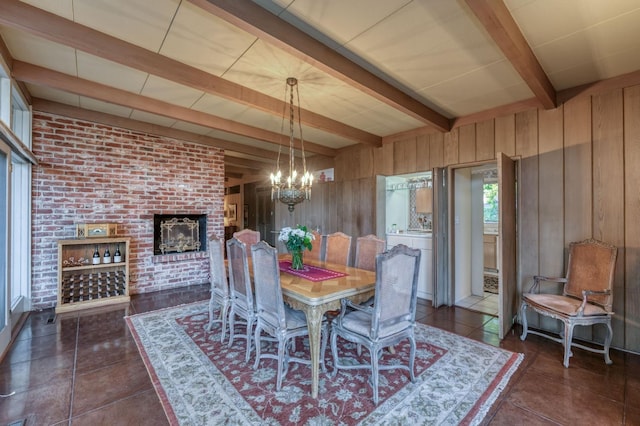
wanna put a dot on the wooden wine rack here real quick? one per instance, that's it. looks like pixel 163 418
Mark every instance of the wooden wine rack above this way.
pixel 83 285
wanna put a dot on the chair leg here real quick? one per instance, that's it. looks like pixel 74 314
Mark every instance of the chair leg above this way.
pixel 412 358
pixel 249 339
pixel 334 353
pixel 523 317
pixel 224 313
pixel 568 336
pixel 281 360
pixel 375 354
pixel 258 344
pixel 211 320
pixel 232 327
pixel 607 344
pixel 323 347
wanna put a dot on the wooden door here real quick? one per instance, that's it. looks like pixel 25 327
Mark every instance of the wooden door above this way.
pixel 440 227
pixel 507 273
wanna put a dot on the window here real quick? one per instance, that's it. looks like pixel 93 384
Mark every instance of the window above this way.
pixel 490 199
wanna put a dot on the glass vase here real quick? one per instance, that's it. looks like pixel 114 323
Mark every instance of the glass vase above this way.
pixel 296 260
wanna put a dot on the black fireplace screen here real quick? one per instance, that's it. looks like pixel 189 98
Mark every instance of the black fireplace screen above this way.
pixel 179 233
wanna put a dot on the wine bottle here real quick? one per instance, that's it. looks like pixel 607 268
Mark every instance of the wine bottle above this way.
pixel 117 257
pixel 107 256
pixel 96 256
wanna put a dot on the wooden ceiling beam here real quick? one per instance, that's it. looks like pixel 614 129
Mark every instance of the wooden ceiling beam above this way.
pixel 498 22
pixel 250 164
pixel 265 25
pixel 34 74
pixel 19 15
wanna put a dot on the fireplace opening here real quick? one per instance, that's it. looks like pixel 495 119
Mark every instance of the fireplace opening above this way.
pixel 179 233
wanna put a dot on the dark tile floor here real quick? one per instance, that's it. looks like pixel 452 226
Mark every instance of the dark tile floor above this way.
pixel 84 368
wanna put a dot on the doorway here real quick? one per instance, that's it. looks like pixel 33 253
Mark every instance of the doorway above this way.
pixel 476 225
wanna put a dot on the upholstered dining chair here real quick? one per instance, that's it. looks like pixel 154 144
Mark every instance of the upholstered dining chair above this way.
pixel 275 318
pixel 337 248
pixel 242 302
pixel 390 320
pixel 219 286
pixel 316 247
pixel 367 248
pixel 249 237
pixel 586 297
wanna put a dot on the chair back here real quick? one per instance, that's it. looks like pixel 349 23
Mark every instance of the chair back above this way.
pixel 316 250
pixel 396 293
pixel 338 248
pixel 268 292
pixel 591 266
pixel 367 248
pixel 219 283
pixel 239 278
pixel 247 236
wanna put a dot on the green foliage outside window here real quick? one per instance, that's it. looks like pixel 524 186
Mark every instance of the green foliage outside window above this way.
pixel 490 199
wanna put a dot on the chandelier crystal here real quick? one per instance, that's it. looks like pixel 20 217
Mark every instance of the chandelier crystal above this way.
pixel 296 187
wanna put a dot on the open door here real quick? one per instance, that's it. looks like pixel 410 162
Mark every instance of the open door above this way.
pixel 440 228
pixel 507 284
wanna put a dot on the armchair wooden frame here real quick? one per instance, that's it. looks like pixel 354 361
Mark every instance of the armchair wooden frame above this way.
pixel 586 298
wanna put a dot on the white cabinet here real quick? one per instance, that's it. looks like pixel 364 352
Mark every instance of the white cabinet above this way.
pixel 422 242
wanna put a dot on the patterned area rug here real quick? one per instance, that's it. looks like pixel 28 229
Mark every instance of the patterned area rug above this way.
pixel 202 382
pixel 491 284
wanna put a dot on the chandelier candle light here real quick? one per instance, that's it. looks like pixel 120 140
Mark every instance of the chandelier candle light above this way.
pixel 295 188
pixel 296 239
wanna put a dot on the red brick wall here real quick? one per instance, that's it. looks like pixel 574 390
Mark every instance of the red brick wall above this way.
pixel 93 173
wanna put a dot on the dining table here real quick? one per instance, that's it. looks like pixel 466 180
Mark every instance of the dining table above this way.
pixel 315 298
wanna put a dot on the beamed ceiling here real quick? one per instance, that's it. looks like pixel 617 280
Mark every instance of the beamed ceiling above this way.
pixel 370 71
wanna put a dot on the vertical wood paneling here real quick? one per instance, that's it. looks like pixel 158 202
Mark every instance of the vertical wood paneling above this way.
pixel 404 156
pixel 505 135
pixel 485 140
pixel 451 147
pixel 551 193
pixel 608 190
pixel 467 143
pixel 632 213
pixel 577 170
pixel 526 134
pixel 423 160
pixel 577 174
pixel 436 149
pixel 383 159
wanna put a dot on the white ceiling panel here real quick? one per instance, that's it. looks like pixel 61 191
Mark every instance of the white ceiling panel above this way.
pixel 105 107
pixel 37 51
pixel 152 118
pixel 168 91
pixel 54 95
pixel 204 41
pixel 110 73
pixel 140 22
pixel 62 8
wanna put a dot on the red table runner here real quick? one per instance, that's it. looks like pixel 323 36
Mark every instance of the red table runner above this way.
pixel 311 273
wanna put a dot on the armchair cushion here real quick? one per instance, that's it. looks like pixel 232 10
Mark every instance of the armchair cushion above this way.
pixel 562 304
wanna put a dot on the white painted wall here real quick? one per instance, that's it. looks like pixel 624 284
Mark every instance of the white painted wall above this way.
pixel 462 234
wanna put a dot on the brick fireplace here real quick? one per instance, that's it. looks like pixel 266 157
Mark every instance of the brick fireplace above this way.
pixel 95 173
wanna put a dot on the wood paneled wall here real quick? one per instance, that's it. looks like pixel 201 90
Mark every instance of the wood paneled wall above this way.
pixel 579 178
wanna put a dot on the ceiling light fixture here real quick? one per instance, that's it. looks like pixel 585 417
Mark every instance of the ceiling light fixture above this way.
pixel 296 187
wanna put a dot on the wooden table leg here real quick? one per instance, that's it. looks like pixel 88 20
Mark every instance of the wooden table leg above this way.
pixel 314 325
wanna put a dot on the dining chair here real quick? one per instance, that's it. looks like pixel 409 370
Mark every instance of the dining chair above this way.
pixel 219 286
pixel 242 303
pixel 337 248
pixel 316 247
pixel 390 320
pixel 247 236
pixel 275 318
pixel 586 298
pixel 367 248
